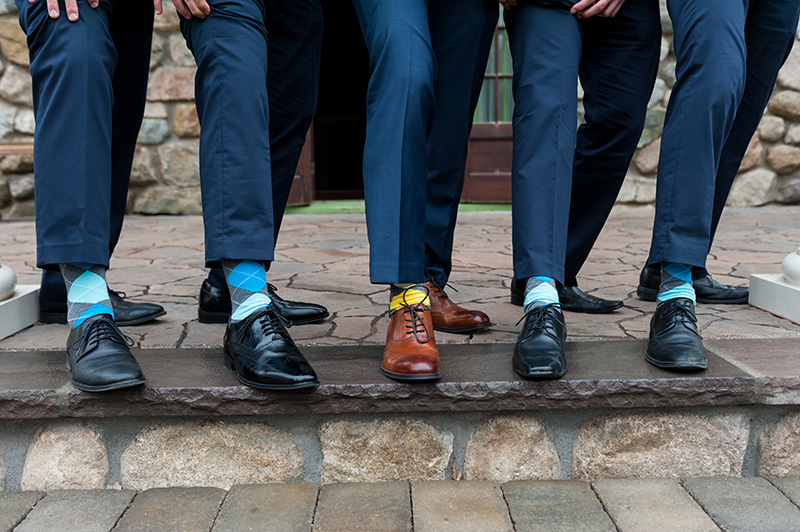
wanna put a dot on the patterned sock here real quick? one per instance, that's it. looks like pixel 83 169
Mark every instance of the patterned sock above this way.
pixel 540 291
pixel 87 292
pixel 247 282
pixel 676 281
pixel 408 294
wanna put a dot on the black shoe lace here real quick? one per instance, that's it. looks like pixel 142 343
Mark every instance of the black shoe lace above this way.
pixel 98 331
pixel 439 292
pixel 415 324
pixel 539 315
pixel 273 323
pixel 678 312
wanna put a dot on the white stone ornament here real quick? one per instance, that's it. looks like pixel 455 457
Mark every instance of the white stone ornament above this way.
pixel 8 282
pixel 791 268
pixel 777 293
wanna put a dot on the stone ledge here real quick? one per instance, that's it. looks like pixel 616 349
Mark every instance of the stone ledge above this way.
pixel 187 382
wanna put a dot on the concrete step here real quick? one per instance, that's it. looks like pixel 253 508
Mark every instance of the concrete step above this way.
pixel 647 505
pixel 612 416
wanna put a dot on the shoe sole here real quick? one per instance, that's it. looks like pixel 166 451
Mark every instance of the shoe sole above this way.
pixel 231 365
pixel 520 302
pixel 412 378
pixel 108 387
pixel 651 294
pixel 541 376
pixel 463 330
pixel 207 316
pixel 60 317
pixel 675 366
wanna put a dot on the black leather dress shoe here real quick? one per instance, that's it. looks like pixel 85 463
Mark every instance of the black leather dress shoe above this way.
pixel 215 307
pixel 126 313
pixel 706 289
pixel 572 299
pixel 674 340
pixel 539 353
pixel 99 358
pixel 264 356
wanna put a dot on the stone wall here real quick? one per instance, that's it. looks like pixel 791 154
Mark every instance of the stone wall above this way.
pixel 165 176
pixel 499 447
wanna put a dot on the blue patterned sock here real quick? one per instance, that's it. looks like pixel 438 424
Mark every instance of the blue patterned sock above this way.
pixel 540 291
pixel 247 282
pixel 87 292
pixel 676 281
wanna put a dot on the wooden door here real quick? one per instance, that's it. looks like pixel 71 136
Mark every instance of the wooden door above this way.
pixel 302 192
pixel 488 172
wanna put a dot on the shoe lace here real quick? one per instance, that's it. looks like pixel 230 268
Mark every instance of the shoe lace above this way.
pixel 438 292
pixel 98 331
pixel 539 315
pixel 273 323
pixel 681 312
pixel 415 324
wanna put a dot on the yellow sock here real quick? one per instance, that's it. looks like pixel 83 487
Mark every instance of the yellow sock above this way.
pixel 408 294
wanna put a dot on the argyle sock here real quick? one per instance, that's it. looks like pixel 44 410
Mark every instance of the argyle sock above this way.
pixel 676 281
pixel 87 292
pixel 540 291
pixel 247 282
pixel 408 294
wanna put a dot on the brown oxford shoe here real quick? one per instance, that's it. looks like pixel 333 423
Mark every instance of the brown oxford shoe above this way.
pixel 410 353
pixel 449 317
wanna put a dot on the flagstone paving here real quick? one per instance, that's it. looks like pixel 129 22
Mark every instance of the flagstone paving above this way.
pixel 625 505
pixel 323 258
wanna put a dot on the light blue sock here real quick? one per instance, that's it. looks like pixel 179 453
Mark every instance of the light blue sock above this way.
pixel 87 292
pixel 540 291
pixel 247 282
pixel 676 281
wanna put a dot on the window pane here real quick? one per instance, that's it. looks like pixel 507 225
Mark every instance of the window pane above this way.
pixel 485 112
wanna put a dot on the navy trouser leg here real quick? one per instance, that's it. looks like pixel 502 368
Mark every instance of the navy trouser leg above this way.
pixel 546 50
pixel 461 35
pixel 295 40
pixel 769 34
pixel 618 69
pixel 400 110
pixel 131 29
pixel 230 48
pixel 710 49
pixel 72 67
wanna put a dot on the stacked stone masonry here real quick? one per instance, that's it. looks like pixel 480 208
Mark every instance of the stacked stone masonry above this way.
pixel 499 448
pixel 165 178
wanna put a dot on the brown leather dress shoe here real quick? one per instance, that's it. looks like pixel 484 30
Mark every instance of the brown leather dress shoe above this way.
pixel 449 317
pixel 410 353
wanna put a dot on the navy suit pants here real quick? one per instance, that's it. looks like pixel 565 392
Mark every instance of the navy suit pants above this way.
pixel 256 88
pixel 88 108
pixel 426 59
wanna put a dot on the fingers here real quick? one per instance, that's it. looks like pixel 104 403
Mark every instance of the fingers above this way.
pixel 158 7
pixel 580 6
pixel 52 8
pixel 198 8
pixel 180 7
pixel 595 9
pixel 72 10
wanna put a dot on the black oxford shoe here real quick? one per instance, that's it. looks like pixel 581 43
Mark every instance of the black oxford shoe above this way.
pixel 215 307
pixel 99 358
pixel 539 353
pixel 572 299
pixel 706 289
pixel 126 313
pixel 264 356
pixel 674 340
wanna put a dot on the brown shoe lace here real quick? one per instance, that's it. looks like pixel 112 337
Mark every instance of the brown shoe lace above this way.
pixel 414 323
pixel 438 292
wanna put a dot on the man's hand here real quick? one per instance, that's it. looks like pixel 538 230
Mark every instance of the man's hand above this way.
pixel 601 8
pixel 72 8
pixel 157 6
pixel 187 8
pixel 508 4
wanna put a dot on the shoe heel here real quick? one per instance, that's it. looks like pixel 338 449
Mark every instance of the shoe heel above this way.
pixel 208 316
